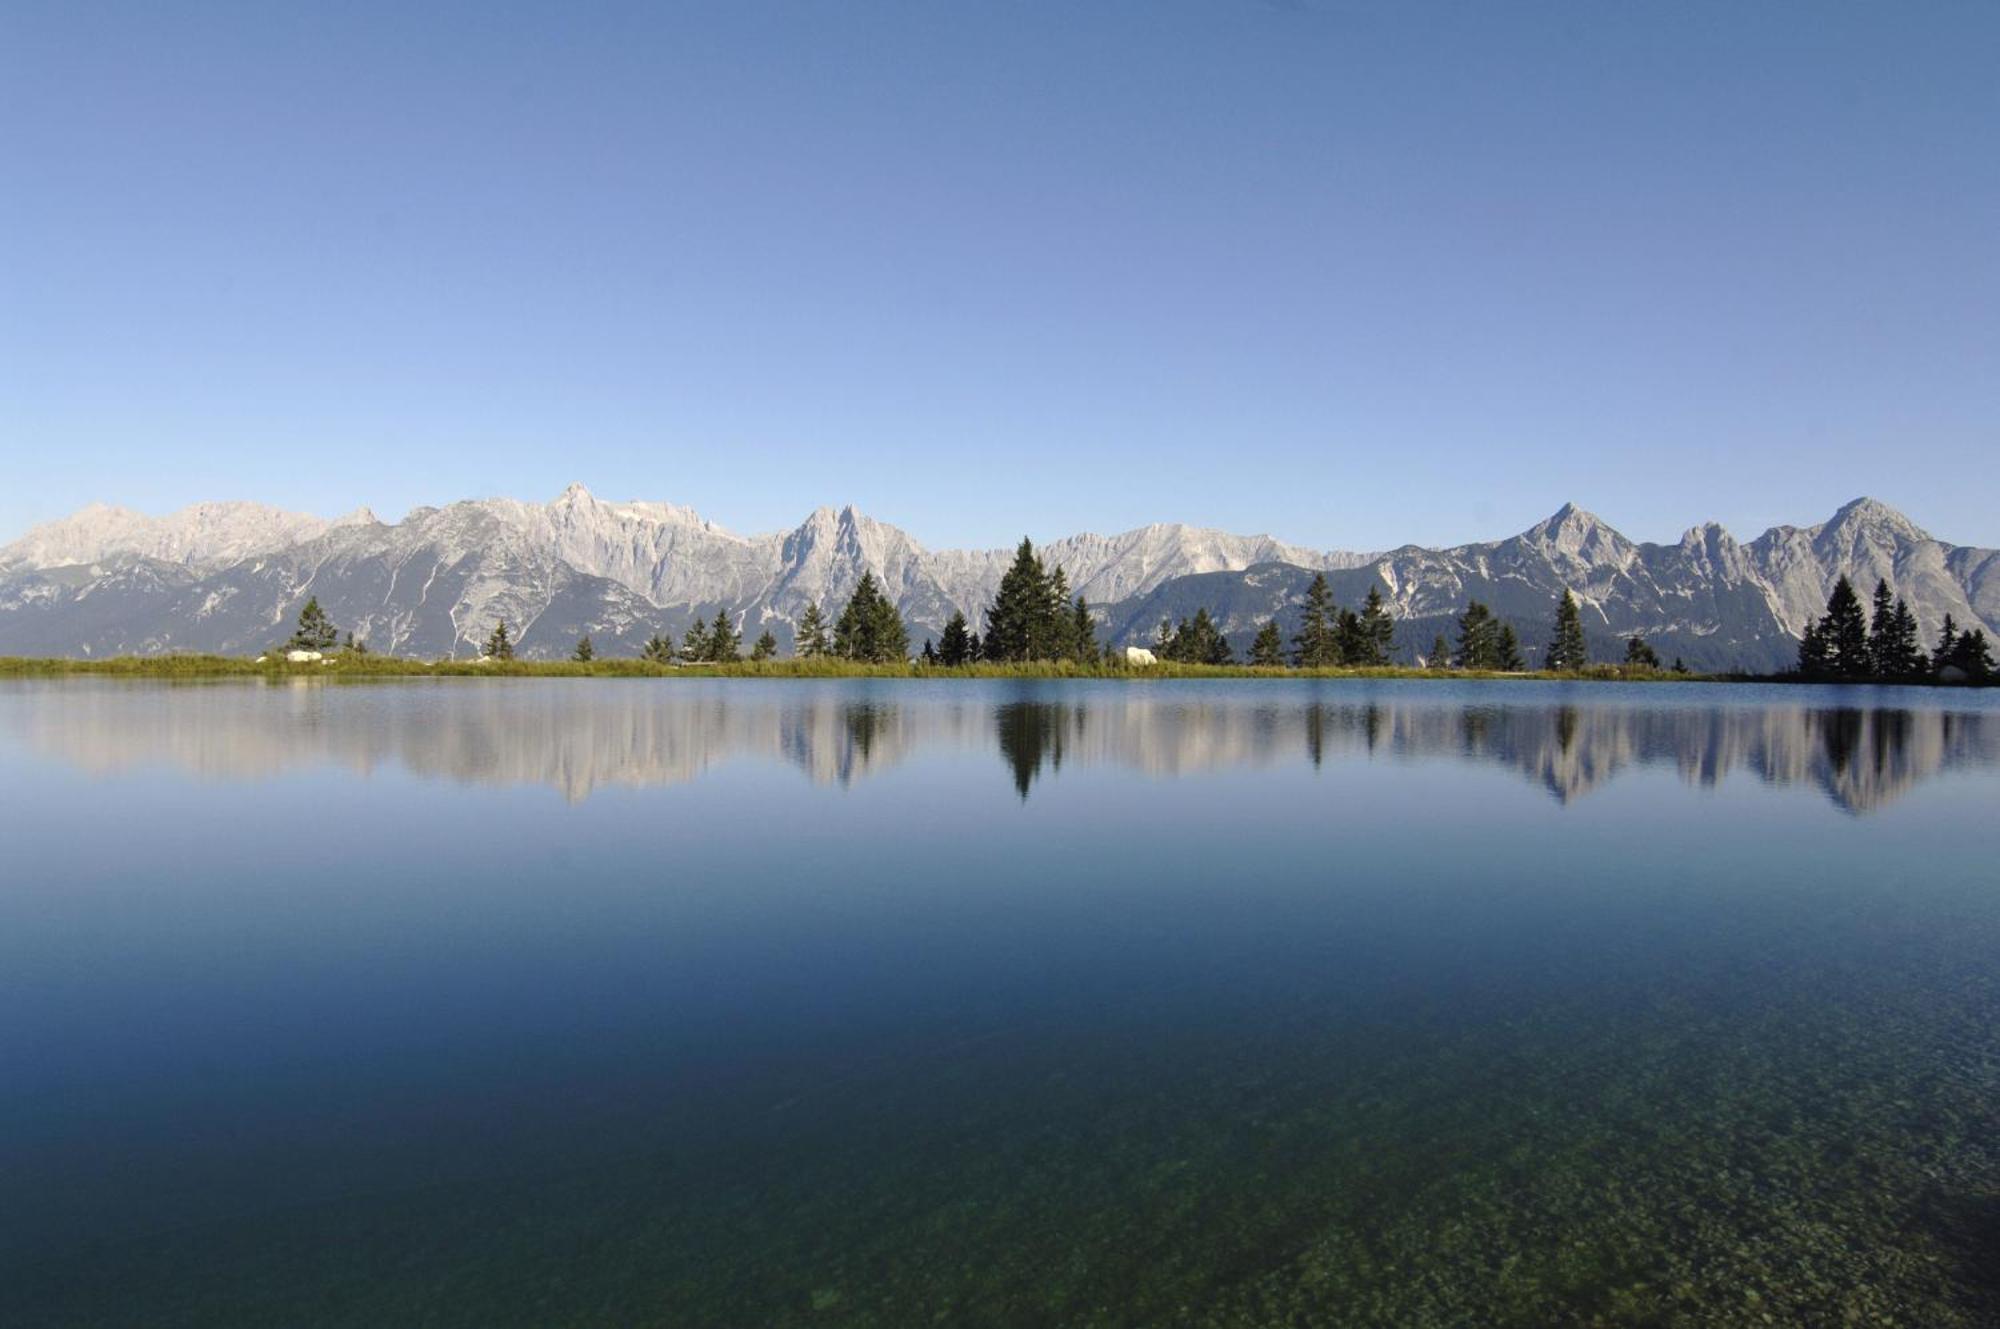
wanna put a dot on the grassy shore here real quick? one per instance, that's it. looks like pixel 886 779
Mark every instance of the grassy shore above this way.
pixel 348 666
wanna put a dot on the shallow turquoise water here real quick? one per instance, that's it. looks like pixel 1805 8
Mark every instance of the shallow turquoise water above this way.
pixel 693 1002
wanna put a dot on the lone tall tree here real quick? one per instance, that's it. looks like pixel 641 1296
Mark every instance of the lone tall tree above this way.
pixel 1566 649
pixel 1315 646
pixel 315 631
pixel 584 652
pixel 1022 622
pixel 810 638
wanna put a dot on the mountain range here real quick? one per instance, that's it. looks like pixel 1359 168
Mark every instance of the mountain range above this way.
pixel 231 577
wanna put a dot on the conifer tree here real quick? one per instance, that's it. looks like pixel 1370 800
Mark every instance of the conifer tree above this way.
pixel 1844 634
pixel 694 643
pixel 724 641
pixel 765 647
pixel 1378 631
pixel 1478 637
pixel 584 652
pixel 1882 632
pixel 1058 626
pixel 657 650
pixel 869 628
pixel 1440 656
pixel 499 646
pixel 1947 642
pixel 1019 622
pixel 1813 658
pixel 1973 656
pixel 1507 651
pixel 1163 641
pixel 1566 648
pixel 1083 634
pixel 929 656
pixel 1197 640
pixel 1679 666
pixel 975 649
pixel 1639 653
pixel 1268 651
pixel 1315 646
pixel 955 646
pixel 809 640
pixel 1348 645
pixel 1906 652
pixel 315 631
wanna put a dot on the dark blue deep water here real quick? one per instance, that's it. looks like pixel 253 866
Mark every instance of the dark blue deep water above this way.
pixel 741 1003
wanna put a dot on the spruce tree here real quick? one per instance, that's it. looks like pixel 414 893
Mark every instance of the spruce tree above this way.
pixel 1478 637
pixel 1058 629
pixel 766 647
pixel 1814 662
pixel 975 649
pixel 1440 656
pixel 1507 651
pixel 584 652
pixel 1844 633
pixel 1947 642
pixel 1268 651
pixel 929 656
pixel 694 643
pixel 1906 652
pixel 1315 646
pixel 499 646
pixel 1639 653
pixel 1378 631
pixel 809 640
pixel 1566 650
pixel 724 641
pixel 658 650
pixel 955 646
pixel 1085 635
pixel 1348 646
pixel 1882 632
pixel 315 631
pixel 1019 623
pixel 1163 641
pixel 1971 654
pixel 869 629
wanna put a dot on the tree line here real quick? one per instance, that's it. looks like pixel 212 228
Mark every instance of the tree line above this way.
pixel 1847 644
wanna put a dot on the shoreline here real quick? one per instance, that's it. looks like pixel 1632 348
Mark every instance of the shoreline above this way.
pixel 343 667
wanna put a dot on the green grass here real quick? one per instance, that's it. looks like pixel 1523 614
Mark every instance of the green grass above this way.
pixel 388 666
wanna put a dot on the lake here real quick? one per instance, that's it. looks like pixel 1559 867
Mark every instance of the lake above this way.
pixel 891 1003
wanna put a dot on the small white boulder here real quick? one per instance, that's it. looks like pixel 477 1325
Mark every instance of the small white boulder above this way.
pixel 304 657
pixel 1136 656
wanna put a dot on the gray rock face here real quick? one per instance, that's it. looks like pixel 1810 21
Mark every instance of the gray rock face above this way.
pixel 230 577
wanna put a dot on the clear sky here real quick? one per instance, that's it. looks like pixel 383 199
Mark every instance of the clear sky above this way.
pixel 1352 274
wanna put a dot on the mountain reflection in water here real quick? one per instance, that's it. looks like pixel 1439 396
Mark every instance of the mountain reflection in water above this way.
pixel 579 736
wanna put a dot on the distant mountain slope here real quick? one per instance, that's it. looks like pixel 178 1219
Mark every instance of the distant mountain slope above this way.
pixel 230 577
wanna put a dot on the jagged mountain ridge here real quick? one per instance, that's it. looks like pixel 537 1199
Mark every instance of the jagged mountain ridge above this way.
pixel 230 577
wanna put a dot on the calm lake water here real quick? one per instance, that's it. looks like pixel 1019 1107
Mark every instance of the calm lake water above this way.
pixel 740 1003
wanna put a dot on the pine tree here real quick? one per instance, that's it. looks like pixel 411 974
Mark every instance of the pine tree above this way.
pixel 1906 652
pixel 1971 654
pixel 1019 622
pixel 724 641
pixel 1315 646
pixel 1378 631
pixel 766 646
pixel 1947 642
pixel 1268 651
pixel 1566 650
pixel 499 646
pixel 694 643
pixel 1844 633
pixel 809 640
pixel 1197 640
pixel 1058 628
pixel 315 631
pixel 1679 666
pixel 1814 661
pixel 869 628
pixel 1882 632
pixel 1639 653
pixel 1478 637
pixel 1163 641
pixel 955 646
pixel 975 649
pixel 1507 651
pixel 1348 646
pixel 584 652
pixel 929 655
pixel 1440 656
pixel 1083 634
pixel 658 650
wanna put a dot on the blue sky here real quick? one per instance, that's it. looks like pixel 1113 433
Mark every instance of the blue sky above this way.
pixel 1350 274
